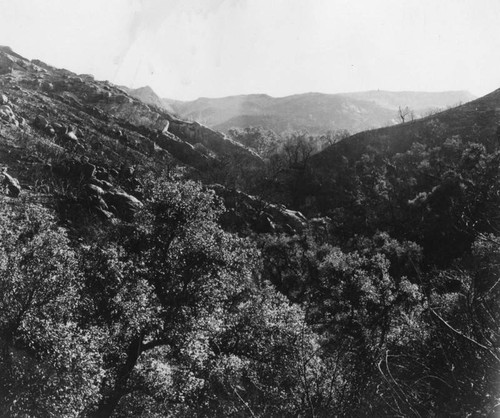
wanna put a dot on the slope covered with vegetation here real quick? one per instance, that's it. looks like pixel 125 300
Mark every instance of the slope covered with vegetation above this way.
pixel 139 278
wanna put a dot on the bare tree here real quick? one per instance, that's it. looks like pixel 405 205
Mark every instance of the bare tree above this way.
pixel 404 113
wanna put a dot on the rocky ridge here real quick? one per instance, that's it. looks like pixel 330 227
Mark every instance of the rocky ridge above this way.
pixel 62 132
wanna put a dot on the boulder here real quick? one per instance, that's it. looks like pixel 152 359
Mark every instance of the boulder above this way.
pixel 7 114
pixel 70 136
pixel 46 86
pixel 122 99
pixel 4 99
pixel 103 184
pixel 125 205
pixel 295 219
pixel 12 185
pixel 94 190
pixel 104 214
pixel 41 122
pixel 88 170
pixel 59 128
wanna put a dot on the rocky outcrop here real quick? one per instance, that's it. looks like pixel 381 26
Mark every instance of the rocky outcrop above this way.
pixel 7 115
pixel 41 122
pixel 11 185
pixel 75 115
pixel 217 142
pixel 6 64
pixel 249 213
pixel 183 151
pixel 99 195
pixel 122 204
pixel 133 111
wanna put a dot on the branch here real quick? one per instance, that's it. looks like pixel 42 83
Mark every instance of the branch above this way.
pixel 465 336
pixel 154 343
pixel 242 400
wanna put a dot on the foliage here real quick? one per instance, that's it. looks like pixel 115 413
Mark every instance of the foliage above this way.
pixel 48 363
pixel 391 310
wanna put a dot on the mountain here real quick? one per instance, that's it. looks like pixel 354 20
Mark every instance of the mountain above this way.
pixel 147 95
pixel 419 102
pixel 314 112
pixel 475 120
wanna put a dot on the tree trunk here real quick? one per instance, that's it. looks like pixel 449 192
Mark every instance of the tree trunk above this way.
pixel 111 399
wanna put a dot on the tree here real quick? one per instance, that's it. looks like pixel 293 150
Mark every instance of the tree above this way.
pixel 264 141
pixel 404 113
pixel 175 302
pixel 49 364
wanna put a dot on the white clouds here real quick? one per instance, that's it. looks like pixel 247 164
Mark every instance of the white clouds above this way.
pixel 191 48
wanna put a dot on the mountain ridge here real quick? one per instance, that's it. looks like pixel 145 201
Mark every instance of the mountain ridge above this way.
pixel 313 111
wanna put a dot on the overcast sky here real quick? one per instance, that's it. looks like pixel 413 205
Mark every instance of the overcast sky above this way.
pixel 185 49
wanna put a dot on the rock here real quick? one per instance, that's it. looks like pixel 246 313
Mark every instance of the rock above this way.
pixel 102 174
pixel 264 224
pixel 104 214
pixel 7 114
pixel 126 205
pixel 268 218
pixel 295 219
pixel 46 86
pixel 92 189
pixel 12 184
pixel 87 77
pixel 122 99
pixel 59 128
pixel 6 64
pixel 41 122
pixel 88 170
pixel 71 136
pixel 95 197
pixel 106 185
pixel 4 99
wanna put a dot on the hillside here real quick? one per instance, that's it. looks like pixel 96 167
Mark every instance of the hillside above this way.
pixel 57 127
pixel 392 177
pixel 152 267
pixel 475 120
pixel 314 112
pixel 420 102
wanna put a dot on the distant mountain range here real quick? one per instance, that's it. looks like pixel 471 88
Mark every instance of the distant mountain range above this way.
pixel 313 112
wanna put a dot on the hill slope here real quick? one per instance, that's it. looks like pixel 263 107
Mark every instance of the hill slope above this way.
pixel 314 112
pixel 63 134
pixel 476 120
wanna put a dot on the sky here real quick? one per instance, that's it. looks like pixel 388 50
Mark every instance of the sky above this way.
pixel 185 49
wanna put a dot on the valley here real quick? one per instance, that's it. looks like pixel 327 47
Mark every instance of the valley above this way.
pixel 161 258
